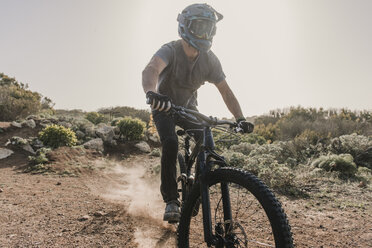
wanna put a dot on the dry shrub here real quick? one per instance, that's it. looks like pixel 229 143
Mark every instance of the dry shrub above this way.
pixel 342 163
pixel 353 144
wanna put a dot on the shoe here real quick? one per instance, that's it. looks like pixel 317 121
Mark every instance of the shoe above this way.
pixel 172 212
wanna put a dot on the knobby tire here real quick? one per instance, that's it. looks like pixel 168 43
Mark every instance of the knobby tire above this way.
pixel 271 207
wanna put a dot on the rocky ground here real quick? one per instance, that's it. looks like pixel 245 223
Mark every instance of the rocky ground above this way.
pixel 114 201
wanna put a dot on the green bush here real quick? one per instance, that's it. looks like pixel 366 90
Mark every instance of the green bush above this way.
pixel 16 101
pixel 302 150
pixel 286 124
pixel 277 176
pixel 235 159
pixel 226 140
pixel 265 166
pixel 38 163
pixel 131 128
pixel 115 121
pixel 268 132
pixel 244 148
pixel 309 136
pixel 55 136
pixel 40 156
pixel 256 164
pixel 342 163
pixel 357 145
pixel 95 117
pixel 253 138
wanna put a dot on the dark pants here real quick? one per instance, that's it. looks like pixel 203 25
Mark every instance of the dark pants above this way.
pixel 166 127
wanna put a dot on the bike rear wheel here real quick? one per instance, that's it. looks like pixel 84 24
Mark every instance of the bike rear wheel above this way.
pixel 258 219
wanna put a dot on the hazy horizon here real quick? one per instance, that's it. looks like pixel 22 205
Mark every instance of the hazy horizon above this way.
pixel 276 54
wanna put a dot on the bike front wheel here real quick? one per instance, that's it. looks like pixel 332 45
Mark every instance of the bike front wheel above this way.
pixel 257 218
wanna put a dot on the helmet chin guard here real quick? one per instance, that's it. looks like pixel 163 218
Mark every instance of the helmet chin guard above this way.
pixel 197 25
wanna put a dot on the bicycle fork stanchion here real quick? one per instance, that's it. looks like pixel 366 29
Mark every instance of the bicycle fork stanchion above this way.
pixel 204 187
pixel 227 215
pixel 204 192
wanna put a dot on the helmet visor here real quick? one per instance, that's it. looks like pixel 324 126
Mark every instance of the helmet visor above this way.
pixel 202 28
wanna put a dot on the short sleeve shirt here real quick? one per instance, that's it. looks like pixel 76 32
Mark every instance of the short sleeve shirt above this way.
pixel 181 78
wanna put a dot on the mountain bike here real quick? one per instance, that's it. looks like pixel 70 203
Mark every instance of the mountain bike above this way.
pixel 223 206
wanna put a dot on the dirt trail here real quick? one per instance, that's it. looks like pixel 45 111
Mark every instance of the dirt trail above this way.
pixel 116 206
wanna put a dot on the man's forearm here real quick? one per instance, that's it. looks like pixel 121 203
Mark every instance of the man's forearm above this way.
pixel 150 74
pixel 149 79
pixel 232 104
pixel 230 99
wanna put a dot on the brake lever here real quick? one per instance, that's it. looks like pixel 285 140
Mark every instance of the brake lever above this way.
pixel 237 129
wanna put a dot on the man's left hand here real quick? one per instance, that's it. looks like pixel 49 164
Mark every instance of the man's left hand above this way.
pixel 245 125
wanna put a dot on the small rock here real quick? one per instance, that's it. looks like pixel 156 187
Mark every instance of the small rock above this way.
pixel 99 213
pixel 80 134
pixel 4 153
pixel 28 148
pixel 1 190
pixel 154 138
pixel 96 144
pixel 105 132
pixel 84 218
pixel 45 123
pixel 59 183
pixel 65 124
pixel 16 124
pixel 143 147
pixel 29 123
pixel 37 144
pixel 34 117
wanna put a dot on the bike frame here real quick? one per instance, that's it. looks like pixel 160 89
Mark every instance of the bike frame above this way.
pixel 203 153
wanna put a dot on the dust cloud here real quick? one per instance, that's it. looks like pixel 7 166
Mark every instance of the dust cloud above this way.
pixel 132 186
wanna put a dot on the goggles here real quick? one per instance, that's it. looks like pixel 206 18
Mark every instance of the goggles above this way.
pixel 202 28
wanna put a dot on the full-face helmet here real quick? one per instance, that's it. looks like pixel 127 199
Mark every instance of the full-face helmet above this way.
pixel 197 25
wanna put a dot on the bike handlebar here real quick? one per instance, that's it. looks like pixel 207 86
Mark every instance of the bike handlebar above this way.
pixel 203 119
pixel 199 118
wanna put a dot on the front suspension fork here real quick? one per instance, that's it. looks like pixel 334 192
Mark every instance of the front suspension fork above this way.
pixel 209 238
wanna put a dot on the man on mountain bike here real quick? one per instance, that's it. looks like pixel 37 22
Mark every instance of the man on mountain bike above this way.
pixel 173 75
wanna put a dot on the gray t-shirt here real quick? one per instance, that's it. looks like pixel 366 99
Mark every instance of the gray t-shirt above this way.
pixel 181 78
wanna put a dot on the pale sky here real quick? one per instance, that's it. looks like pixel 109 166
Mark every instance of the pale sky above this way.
pixel 87 54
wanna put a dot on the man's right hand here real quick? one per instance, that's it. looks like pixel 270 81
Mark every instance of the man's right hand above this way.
pixel 158 101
